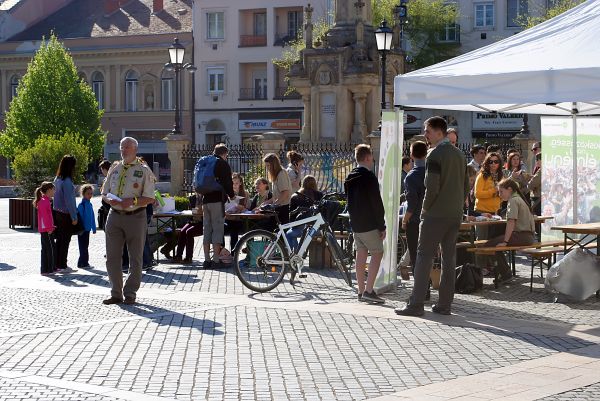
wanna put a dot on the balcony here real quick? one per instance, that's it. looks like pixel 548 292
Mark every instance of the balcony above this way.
pixel 257 93
pixel 253 40
pixel 280 94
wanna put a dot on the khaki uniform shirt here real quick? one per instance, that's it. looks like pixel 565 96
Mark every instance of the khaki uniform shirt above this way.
pixel 129 181
pixel 282 183
pixel 518 210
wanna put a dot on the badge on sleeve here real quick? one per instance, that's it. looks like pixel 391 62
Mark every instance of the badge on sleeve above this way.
pixel 138 173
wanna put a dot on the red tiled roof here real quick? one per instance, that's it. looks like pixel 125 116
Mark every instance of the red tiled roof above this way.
pixel 86 19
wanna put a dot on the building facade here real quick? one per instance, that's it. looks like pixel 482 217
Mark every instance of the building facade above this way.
pixel 239 91
pixel 120 49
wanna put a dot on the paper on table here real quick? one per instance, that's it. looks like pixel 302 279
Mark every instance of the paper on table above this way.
pixel 113 197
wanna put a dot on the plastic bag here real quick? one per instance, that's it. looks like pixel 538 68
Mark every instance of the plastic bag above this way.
pixel 576 275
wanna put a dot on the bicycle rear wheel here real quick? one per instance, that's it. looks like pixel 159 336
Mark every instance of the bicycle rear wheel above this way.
pixel 338 257
pixel 260 261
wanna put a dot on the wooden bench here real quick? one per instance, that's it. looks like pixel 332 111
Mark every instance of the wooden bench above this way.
pixel 543 256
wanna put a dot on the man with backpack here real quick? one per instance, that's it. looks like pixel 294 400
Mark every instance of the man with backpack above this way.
pixel 212 179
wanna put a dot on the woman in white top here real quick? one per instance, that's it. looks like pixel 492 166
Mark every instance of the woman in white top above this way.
pixel 294 169
pixel 281 187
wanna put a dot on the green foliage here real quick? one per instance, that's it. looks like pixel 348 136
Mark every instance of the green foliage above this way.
pixel 182 203
pixel 40 162
pixel 542 14
pixel 291 53
pixel 255 172
pixel 426 20
pixel 52 101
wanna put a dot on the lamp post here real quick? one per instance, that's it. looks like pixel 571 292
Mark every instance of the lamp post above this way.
pixel 176 54
pixel 383 36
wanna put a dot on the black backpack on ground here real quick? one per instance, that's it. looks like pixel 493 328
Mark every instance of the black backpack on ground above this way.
pixel 468 279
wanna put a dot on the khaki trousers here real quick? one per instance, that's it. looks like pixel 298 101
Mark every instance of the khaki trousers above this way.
pixel 124 229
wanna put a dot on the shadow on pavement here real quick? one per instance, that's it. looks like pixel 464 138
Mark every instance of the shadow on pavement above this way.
pixel 165 317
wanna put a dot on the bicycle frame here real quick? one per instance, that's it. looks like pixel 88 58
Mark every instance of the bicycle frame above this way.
pixel 317 222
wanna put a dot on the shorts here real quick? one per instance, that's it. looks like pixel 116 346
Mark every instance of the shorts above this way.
pixel 213 223
pixel 369 240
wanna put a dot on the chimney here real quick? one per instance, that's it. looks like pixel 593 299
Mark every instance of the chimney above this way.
pixel 110 6
pixel 157 6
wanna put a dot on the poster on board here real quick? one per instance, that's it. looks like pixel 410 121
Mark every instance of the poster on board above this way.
pixel 557 171
pixel 390 154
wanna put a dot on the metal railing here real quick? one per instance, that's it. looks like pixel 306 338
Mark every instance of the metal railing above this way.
pixel 253 93
pixel 253 40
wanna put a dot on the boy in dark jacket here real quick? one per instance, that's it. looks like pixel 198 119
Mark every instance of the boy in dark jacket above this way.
pixel 367 221
pixel 415 193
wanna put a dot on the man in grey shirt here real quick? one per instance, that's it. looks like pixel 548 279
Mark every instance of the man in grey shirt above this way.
pixel 446 188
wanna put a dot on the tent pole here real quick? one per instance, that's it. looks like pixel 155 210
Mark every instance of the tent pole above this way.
pixel 574 112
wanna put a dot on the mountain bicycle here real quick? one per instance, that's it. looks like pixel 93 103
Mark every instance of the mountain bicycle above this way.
pixel 262 258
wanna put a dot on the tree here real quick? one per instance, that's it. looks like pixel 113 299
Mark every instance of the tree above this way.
pixel 52 100
pixel 544 14
pixel 39 162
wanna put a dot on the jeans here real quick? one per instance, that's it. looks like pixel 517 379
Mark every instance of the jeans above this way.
pixel 48 251
pixel 292 236
pixel 412 240
pixel 83 241
pixel 186 239
pixel 63 232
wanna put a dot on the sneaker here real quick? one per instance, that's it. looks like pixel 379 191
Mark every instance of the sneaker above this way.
pixel 167 254
pixel 435 308
pixel 112 301
pixel 85 267
pixel 372 297
pixel 207 264
pixel 410 311
pixel 146 267
pixel 67 270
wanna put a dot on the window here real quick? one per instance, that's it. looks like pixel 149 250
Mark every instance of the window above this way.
pixel 216 80
pixel 484 15
pixel 514 10
pixel 330 12
pixel 294 24
pixel 131 91
pixel 167 91
pixel 216 26
pixel 98 88
pixel 451 33
pixel 14 84
pixel 260 24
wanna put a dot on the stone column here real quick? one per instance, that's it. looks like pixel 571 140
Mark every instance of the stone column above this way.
pixel 374 139
pixel 271 142
pixel 175 145
pixel 359 131
pixel 305 135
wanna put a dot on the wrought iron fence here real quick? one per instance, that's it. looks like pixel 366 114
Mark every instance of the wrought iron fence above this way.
pixel 329 163
pixel 245 159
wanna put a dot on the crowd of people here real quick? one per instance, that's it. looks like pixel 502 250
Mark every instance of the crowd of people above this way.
pixel 439 186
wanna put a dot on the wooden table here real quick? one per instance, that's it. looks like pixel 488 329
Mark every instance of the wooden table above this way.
pixel 470 225
pixel 589 232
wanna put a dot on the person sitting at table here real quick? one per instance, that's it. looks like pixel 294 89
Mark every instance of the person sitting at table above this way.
pixel 487 200
pixel 190 230
pixel 235 227
pixel 520 225
pixel 263 194
pixel 305 197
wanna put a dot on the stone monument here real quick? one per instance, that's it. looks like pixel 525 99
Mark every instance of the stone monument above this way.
pixel 340 80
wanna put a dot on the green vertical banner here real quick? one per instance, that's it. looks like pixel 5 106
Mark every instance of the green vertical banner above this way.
pixel 557 171
pixel 390 154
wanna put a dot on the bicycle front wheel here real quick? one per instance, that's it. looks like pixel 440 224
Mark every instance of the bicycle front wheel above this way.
pixel 260 260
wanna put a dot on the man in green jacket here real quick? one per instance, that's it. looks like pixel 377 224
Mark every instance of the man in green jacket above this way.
pixel 446 188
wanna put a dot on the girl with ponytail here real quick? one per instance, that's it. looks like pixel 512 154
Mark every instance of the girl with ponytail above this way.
pixel 43 195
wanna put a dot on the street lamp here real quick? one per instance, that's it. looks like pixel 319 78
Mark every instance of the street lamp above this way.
pixel 176 54
pixel 383 36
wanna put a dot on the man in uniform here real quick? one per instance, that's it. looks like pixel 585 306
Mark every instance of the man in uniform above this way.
pixel 128 188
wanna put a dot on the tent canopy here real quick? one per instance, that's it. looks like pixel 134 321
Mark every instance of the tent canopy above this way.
pixel 541 70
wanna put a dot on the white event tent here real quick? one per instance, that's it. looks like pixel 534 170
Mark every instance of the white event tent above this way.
pixel 552 68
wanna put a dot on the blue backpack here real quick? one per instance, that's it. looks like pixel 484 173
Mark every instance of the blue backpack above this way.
pixel 204 175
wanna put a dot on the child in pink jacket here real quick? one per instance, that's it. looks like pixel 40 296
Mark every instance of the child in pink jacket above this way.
pixel 43 194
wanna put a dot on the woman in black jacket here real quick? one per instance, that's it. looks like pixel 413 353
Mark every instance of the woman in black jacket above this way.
pixel 305 197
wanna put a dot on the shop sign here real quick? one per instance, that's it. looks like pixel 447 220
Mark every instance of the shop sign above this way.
pixel 265 125
pixel 497 121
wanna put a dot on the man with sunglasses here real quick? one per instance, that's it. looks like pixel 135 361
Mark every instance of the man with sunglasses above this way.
pixel 446 188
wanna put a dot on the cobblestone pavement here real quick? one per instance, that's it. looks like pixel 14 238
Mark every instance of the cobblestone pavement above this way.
pixel 199 334
pixel 589 393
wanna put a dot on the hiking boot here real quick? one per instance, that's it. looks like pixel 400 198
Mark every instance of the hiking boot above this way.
pixel 372 297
